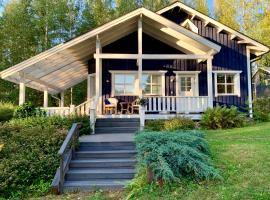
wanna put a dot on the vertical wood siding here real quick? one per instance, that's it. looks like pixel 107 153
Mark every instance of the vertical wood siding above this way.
pixel 231 57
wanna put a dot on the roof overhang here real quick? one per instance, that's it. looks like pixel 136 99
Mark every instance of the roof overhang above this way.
pixel 66 65
pixel 256 48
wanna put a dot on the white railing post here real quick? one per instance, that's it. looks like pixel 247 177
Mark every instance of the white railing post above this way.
pixel 45 98
pixel 22 90
pixel 72 110
pixel 142 117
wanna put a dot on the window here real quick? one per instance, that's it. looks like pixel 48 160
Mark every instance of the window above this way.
pixel 152 84
pixel 227 83
pixel 124 84
pixel 185 84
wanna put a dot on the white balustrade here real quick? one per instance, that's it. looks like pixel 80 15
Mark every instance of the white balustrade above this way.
pixel 167 104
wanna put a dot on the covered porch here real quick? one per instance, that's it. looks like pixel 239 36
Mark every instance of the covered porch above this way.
pixel 68 64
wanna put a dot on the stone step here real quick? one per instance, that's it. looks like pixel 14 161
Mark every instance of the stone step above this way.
pixel 79 174
pixel 103 163
pixel 105 154
pixel 93 185
pixel 108 130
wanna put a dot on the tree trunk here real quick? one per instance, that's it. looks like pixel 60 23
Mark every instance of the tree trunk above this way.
pixel 150 175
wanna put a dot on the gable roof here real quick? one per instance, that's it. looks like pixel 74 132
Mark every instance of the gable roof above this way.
pixel 257 48
pixel 65 65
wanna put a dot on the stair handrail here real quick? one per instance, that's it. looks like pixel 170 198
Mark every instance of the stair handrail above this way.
pixel 78 108
pixel 65 153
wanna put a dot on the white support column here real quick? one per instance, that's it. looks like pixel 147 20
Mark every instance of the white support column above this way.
pixel 249 84
pixel 210 82
pixel 98 77
pixel 45 98
pixel 62 99
pixel 22 91
pixel 140 56
pixel 88 87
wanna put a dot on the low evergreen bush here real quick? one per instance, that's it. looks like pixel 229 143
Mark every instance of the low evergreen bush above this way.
pixel 28 110
pixel 172 156
pixel 261 109
pixel 173 124
pixel 222 117
pixel 6 111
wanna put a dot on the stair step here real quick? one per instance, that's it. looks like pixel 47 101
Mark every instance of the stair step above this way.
pixel 117 124
pixel 117 120
pixel 93 185
pixel 96 146
pixel 105 154
pixel 101 173
pixel 103 163
pixel 99 130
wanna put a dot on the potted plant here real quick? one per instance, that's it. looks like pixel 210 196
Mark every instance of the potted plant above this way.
pixel 142 101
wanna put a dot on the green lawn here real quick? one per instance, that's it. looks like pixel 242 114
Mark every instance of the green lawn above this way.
pixel 243 157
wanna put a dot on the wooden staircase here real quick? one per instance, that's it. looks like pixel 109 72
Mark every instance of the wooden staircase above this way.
pixel 98 164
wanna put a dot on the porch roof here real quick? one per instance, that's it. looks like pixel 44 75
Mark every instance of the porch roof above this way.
pixel 65 65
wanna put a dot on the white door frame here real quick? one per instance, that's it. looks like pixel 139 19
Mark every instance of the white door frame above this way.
pixel 194 74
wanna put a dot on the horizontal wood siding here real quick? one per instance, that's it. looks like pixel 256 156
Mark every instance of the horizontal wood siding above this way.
pixel 232 56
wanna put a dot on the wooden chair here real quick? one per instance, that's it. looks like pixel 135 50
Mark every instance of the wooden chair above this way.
pixel 110 105
pixel 135 106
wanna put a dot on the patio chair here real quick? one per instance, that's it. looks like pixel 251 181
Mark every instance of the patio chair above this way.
pixel 110 105
pixel 135 106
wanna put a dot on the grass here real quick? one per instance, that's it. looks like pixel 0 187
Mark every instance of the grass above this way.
pixel 242 157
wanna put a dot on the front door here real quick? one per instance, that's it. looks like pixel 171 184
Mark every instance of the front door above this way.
pixel 187 85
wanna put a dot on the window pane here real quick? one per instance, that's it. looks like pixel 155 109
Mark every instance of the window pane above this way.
pixel 188 88
pixel 119 78
pixel 129 89
pixel 229 78
pixel 146 78
pixel 230 89
pixel 156 89
pixel 221 89
pixel 146 89
pixel 129 79
pixel 220 78
pixel 156 79
pixel 183 88
pixel 183 81
pixel 119 89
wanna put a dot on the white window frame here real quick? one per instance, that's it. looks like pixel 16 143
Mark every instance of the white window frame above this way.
pixel 162 74
pixel 136 84
pixel 187 74
pixel 237 88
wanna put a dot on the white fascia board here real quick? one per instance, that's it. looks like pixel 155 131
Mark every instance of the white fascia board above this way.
pixel 215 23
pixel 228 72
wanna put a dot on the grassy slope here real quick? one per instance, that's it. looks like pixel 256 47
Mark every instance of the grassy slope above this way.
pixel 242 156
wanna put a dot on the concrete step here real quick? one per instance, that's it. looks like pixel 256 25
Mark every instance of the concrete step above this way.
pixel 79 174
pixel 96 146
pixel 105 154
pixel 103 163
pixel 107 130
pixel 117 124
pixel 93 185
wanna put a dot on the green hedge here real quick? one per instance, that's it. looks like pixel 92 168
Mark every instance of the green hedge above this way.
pixel 174 155
pixel 261 109
pixel 6 111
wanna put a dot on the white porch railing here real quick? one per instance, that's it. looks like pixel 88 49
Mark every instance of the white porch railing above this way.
pixel 59 111
pixel 177 104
